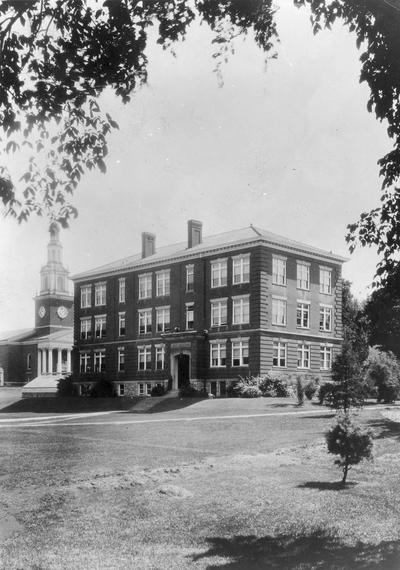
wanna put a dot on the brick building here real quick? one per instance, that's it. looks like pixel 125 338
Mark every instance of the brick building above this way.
pixel 207 310
pixel 42 353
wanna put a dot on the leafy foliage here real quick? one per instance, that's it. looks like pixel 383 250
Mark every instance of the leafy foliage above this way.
pixel 103 388
pixel 350 442
pixel 189 391
pixel 274 386
pixel 382 312
pixel 310 388
pixel 158 390
pixel 65 387
pixel 58 57
pixel 382 371
pixel 300 391
pixel 347 375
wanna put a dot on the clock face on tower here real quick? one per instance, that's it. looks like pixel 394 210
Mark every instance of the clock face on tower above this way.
pixel 41 312
pixel 62 312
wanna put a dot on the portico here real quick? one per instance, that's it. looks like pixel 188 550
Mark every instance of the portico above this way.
pixel 54 359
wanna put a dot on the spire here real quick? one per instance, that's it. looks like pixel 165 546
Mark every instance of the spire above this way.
pixel 54 276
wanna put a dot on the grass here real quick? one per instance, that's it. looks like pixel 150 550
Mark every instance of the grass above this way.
pixel 228 493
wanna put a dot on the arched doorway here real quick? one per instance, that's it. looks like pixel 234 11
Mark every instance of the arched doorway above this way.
pixel 1 377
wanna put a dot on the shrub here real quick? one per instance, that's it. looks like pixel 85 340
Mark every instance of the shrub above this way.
pixel 251 392
pixel 230 390
pixel 311 387
pixel 158 390
pixel 273 386
pixel 382 375
pixel 300 391
pixel 103 388
pixel 325 391
pixel 190 391
pixel 350 442
pixel 65 387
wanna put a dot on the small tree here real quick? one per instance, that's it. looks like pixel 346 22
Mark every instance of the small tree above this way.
pixel 345 438
pixel 65 386
pixel 350 442
pixel 347 389
pixel 300 391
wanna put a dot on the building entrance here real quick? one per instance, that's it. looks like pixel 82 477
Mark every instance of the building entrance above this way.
pixel 183 366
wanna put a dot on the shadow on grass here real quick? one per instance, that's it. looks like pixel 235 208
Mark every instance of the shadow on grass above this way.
pixel 316 550
pixel 383 427
pixel 74 405
pixel 171 404
pixel 326 485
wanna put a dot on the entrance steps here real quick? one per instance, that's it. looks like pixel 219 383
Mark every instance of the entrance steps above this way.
pixel 43 386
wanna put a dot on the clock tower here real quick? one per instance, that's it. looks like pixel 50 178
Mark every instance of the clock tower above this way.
pixel 54 303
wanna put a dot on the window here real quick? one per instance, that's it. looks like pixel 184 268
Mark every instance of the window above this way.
pixel 86 296
pixel 325 318
pixel 219 312
pixel 240 352
pixel 100 326
pixel 145 286
pixel 303 315
pixel 86 328
pixel 100 361
pixel 84 362
pixel 325 280
pixel 303 275
pixel 303 356
pixel 326 357
pixel 189 277
pixel 278 270
pixel 121 324
pixel 121 290
pixel 141 389
pixel 279 354
pixel 145 321
pixel 189 316
pixel 148 389
pixel 278 311
pixel 162 319
pixel 217 354
pixel 163 283
pixel 144 358
pixel 240 310
pixel 99 294
pixel 29 361
pixel 160 357
pixel 121 389
pixel 241 269
pixel 121 359
pixel 219 273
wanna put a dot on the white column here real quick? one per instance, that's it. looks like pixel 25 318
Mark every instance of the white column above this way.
pixel 50 361
pixel 68 360
pixel 44 360
pixel 39 362
pixel 59 360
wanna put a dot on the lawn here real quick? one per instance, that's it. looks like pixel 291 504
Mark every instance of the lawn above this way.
pixel 226 492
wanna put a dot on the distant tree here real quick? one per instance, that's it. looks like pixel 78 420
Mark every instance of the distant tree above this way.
pixel 350 442
pixel 347 388
pixel 382 373
pixel 355 324
pixel 382 311
pixel 58 57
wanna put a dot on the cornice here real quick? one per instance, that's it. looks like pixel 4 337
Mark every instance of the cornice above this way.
pixel 212 250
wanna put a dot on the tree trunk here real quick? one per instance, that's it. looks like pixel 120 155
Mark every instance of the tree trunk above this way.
pixel 345 470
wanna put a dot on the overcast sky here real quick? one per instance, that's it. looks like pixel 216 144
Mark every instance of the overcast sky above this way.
pixel 289 147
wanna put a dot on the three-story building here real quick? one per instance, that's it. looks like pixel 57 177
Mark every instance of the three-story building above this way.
pixel 208 310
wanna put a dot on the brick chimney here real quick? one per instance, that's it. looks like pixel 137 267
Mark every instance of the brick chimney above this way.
pixel 148 244
pixel 194 233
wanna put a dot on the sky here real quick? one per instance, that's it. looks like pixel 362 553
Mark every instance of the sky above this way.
pixel 287 146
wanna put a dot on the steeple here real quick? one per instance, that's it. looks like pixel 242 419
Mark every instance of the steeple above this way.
pixel 53 275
